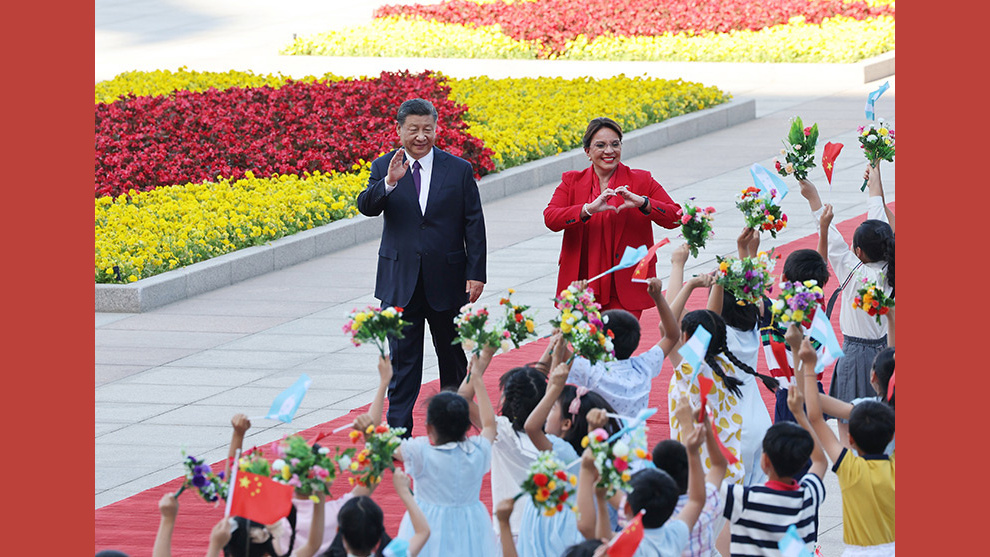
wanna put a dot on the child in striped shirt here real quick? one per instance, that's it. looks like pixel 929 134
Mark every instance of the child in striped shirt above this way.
pixel 760 515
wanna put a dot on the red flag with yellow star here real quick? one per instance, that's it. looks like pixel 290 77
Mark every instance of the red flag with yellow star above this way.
pixel 259 498
pixel 639 274
pixel 626 543
pixel 829 154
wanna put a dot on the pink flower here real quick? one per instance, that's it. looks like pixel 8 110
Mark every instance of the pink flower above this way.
pixel 807 131
pixel 685 219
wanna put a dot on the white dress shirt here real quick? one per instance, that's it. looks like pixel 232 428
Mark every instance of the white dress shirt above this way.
pixel 425 173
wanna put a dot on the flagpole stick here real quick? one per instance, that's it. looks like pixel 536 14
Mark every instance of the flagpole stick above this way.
pixel 233 483
pixel 342 428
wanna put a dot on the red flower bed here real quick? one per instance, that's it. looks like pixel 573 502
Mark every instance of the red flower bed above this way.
pixel 146 142
pixel 552 23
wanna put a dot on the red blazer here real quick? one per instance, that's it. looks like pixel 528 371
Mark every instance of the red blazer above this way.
pixel 605 235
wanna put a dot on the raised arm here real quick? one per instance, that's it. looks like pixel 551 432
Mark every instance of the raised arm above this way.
pixel 587 478
pixel 810 192
pixel 486 414
pixel 678 258
pixel 796 404
pixel 219 537
pixel 696 477
pixel 466 390
pixel 316 527
pixel 168 507
pixel 241 424
pixel 715 298
pixel 384 378
pixel 420 526
pixel 826 438
pixel 872 177
pixel 748 243
pixel 670 326
pixel 824 222
pixel 538 417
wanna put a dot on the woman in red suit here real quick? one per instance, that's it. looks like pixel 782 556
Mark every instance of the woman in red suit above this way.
pixel 603 209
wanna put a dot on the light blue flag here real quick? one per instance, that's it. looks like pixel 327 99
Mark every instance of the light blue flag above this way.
pixel 630 257
pixel 287 402
pixel 634 423
pixel 791 545
pixel 872 99
pixel 821 330
pixel 396 548
pixel 693 351
pixel 768 181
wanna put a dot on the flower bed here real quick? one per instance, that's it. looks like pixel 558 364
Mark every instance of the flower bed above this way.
pixel 146 142
pixel 730 30
pixel 148 233
pixel 180 173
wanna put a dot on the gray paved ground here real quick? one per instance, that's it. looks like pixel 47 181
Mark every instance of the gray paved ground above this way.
pixel 172 377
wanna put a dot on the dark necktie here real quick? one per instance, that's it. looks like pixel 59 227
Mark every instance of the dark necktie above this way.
pixel 416 179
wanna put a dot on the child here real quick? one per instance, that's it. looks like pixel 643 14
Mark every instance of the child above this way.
pixel 883 371
pixel 362 527
pixel 759 515
pixel 671 457
pixel 866 478
pixel 448 468
pixel 719 365
pixel 742 328
pixel 654 493
pixel 552 428
pixel 522 388
pixel 871 257
pixel 626 382
pixel 284 536
pixel 800 266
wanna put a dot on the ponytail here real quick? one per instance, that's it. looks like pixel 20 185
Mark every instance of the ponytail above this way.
pixel 876 239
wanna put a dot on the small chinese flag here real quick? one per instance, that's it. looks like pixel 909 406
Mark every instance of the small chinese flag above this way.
pixel 626 543
pixel 260 499
pixel 704 386
pixel 639 274
pixel 829 154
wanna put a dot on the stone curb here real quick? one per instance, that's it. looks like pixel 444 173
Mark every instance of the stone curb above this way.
pixel 159 290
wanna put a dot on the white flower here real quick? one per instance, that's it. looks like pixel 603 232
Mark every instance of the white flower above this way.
pixel 608 345
pixel 779 305
pixel 737 266
pixel 388 312
pixel 278 465
pixel 324 450
pixel 345 462
pixel 797 147
pixel 620 449
pixel 506 345
pixel 577 315
pixel 871 138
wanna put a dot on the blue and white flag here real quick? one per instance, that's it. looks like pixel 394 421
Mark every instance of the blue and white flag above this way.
pixel 287 402
pixel 630 257
pixel 791 545
pixel 872 99
pixel 693 351
pixel 768 181
pixel 821 330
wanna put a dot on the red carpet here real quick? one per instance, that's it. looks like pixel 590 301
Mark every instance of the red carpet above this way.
pixel 130 525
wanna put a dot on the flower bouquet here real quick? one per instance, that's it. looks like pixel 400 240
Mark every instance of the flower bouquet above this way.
pixel 374 325
pixel 211 486
pixel 376 456
pixel 872 299
pixel 696 226
pixel 746 278
pixel 474 330
pixel 796 301
pixel 580 321
pixel 799 150
pixel 611 460
pixel 516 327
pixel 760 211
pixel 309 469
pixel 877 143
pixel 549 484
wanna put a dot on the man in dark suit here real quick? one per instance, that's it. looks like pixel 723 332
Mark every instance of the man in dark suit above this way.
pixel 432 256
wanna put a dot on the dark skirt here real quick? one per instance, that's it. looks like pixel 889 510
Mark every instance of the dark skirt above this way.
pixel 851 377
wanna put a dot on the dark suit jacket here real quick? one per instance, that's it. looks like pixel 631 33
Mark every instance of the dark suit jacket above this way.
pixel 448 242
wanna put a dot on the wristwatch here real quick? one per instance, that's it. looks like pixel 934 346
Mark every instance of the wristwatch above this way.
pixel 645 207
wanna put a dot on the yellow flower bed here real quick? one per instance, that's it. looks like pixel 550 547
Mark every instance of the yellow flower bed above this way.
pixel 836 40
pixel 148 233
pixel 524 119
pixel 164 82
pixel 392 37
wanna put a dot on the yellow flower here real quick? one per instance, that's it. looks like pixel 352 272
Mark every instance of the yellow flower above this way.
pixel 552 485
pixel 511 291
pixel 565 327
pixel 798 315
pixel 626 477
pixel 286 473
pixel 530 327
pixel 370 429
pixel 585 442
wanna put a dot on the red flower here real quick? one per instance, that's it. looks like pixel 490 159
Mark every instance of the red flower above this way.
pixel 620 464
pixel 776 164
pixel 540 479
pixel 807 131
pixel 398 309
pixel 561 475
pixel 883 310
pixel 563 497
pixel 519 318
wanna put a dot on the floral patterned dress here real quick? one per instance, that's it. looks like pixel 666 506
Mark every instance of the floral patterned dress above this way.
pixel 723 406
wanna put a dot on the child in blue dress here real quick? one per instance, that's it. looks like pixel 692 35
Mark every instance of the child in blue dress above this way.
pixel 447 468
pixel 558 423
